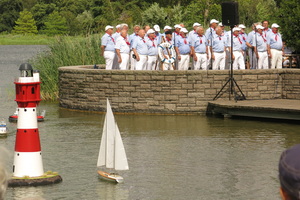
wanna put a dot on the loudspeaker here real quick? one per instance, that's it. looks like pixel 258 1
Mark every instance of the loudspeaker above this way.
pixel 230 13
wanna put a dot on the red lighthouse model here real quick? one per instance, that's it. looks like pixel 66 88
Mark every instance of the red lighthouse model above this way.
pixel 28 156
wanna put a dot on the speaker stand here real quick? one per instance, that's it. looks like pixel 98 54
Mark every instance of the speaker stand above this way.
pixel 231 81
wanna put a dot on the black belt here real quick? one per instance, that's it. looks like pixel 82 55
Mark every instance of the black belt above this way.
pixel 218 51
pixel 201 53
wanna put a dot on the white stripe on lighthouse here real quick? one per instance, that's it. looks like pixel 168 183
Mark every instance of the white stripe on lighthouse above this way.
pixel 28 164
pixel 27 118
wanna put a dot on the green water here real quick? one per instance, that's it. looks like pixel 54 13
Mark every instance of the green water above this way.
pixel 170 157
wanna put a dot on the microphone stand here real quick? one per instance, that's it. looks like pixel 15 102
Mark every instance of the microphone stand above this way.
pixel 231 81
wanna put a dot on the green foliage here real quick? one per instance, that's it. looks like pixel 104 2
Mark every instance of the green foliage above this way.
pixel 215 12
pixel 28 4
pixel 289 20
pixel 195 13
pixel 25 24
pixel 65 51
pixel 55 25
pixel 263 10
pixel 176 15
pixel 154 15
pixel 9 13
pixel 86 21
pixel 40 12
pixel 251 11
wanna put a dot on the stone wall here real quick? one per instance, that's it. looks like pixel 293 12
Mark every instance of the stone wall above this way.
pixel 188 92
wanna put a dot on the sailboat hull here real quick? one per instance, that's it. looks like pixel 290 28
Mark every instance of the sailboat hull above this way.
pixel 110 176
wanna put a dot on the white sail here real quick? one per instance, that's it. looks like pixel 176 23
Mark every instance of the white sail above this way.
pixel 102 151
pixel 112 153
pixel 120 155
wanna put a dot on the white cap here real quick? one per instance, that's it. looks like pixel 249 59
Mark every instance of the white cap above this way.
pixel 118 26
pixel 275 25
pixel 108 27
pixel 242 26
pixel 177 26
pixel 150 31
pixel 260 27
pixel 214 21
pixel 196 24
pixel 220 24
pixel 156 28
pixel 184 30
pixel 236 29
pixel 168 27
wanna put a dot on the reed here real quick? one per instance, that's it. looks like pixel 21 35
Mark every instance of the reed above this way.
pixel 65 51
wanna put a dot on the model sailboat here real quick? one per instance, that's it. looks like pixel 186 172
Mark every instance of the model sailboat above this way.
pixel 112 154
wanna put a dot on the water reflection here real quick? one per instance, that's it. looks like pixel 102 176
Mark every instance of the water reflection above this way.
pixel 113 191
pixel 27 193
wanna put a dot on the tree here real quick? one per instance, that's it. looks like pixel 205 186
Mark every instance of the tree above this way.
pixel 25 24
pixel 289 20
pixel 55 25
pixel 41 11
pixel 154 15
pixel 9 13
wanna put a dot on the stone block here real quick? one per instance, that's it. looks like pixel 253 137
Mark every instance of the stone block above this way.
pixel 118 77
pixel 143 78
pixel 181 80
pixel 249 77
pixel 196 94
pixel 130 77
pixel 146 94
pixel 122 83
pixel 158 77
pixel 179 92
pixel 170 78
pixel 162 83
pixel 140 106
pixel 189 100
pixel 170 107
pixel 129 88
pixel 187 86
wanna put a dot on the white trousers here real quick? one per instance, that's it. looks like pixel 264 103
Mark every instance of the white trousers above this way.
pixel 276 60
pixel 239 62
pixel 151 62
pixel 109 58
pixel 201 62
pixel 125 60
pixel 132 61
pixel 168 66
pixel 263 60
pixel 183 63
pixel 142 63
pixel 208 62
pixel 219 62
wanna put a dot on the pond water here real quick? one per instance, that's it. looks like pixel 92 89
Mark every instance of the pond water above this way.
pixel 170 157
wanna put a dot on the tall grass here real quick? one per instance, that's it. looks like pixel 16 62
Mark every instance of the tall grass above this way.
pixel 65 51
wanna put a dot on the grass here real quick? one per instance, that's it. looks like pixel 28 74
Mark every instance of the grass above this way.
pixel 65 51
pixel 10 39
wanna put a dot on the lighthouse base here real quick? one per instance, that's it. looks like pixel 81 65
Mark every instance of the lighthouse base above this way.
pixel 34 181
